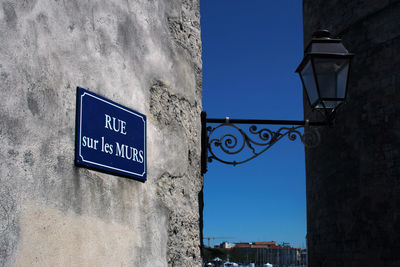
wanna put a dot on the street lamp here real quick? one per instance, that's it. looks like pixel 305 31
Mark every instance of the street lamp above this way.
pixel 324 73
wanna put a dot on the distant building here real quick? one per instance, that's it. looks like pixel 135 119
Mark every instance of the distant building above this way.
pixel 225 245
pixel 262 253
pixel 304 257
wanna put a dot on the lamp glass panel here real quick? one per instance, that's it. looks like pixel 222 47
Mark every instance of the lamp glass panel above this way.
pixel 342 79
pixel 307 75
pixel 331 76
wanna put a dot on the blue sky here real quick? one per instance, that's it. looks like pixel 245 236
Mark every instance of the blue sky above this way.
pixel 250 52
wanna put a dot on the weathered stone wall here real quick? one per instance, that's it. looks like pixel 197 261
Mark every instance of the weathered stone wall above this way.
pixel 353 177
pixel 143 54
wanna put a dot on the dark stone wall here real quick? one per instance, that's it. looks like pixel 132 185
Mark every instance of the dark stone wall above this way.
pixel 353 176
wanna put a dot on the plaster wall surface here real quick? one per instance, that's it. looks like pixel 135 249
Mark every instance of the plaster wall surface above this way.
pixel 143 54
pixel 353 177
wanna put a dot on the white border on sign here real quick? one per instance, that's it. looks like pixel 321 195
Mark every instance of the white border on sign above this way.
pixel 80 135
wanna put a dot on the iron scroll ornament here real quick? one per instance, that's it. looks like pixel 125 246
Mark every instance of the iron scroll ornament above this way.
pixel 230 144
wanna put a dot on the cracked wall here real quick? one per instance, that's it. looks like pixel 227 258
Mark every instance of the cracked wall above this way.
pixel 145 55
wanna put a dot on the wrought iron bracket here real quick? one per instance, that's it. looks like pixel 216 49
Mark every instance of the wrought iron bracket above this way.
pixel 223 140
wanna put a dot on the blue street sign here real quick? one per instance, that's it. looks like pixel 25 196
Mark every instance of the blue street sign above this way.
pixel 110 137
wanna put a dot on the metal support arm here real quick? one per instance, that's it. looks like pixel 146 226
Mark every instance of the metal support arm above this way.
pixel 226 140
